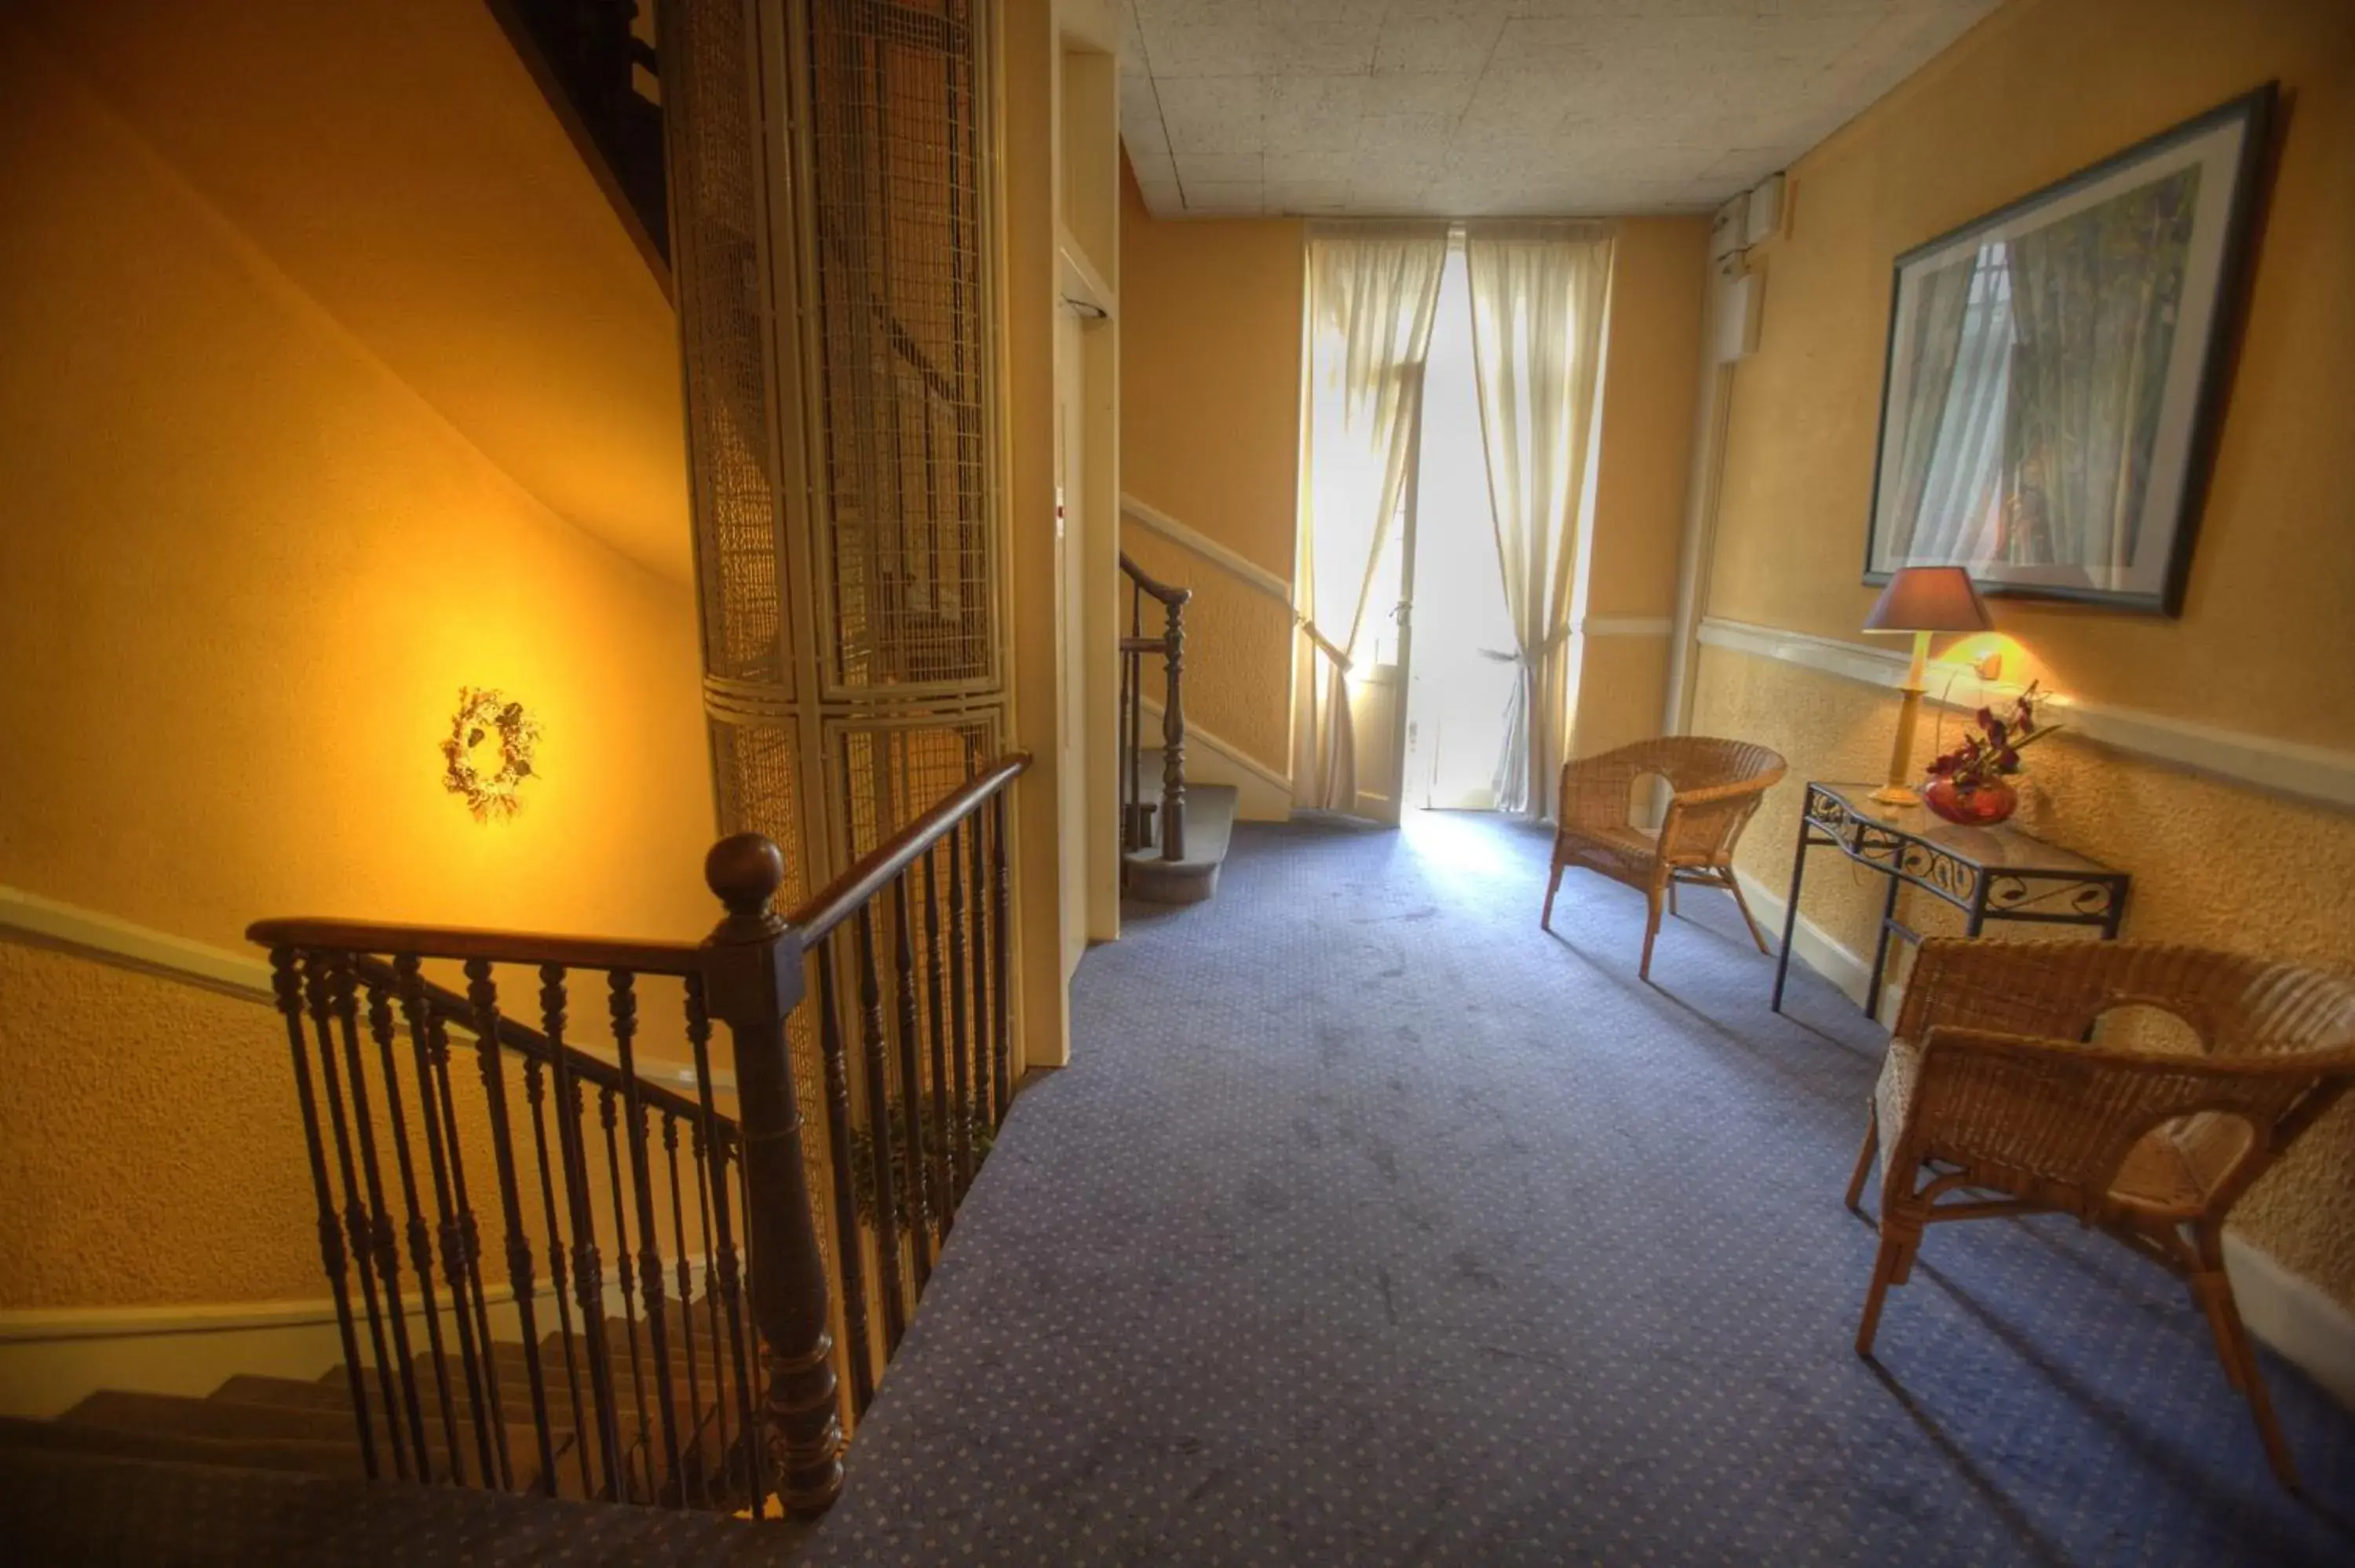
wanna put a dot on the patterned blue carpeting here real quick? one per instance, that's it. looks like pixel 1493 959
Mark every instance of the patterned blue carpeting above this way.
pixel 1373 1225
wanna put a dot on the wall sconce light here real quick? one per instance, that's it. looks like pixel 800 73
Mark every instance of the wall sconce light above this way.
pixel 488 729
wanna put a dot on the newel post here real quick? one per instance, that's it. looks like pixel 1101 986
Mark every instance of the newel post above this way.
pixel 752 979
pixel 1173 734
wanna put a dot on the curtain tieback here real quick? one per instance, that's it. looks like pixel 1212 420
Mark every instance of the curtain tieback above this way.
pixel 1324 643
pixel 1523 655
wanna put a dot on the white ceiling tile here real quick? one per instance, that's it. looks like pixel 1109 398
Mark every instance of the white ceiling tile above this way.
pixel 1240 197
pixel 1152 162
pixel 1313 113
pixel 1437 43
pixel 1422 92
pixel 1219 169
pixel 1466 107
pixel 1213 113
pixel 1307 195
pixel 1162 198
pixel 1299 45
pixel 1218 46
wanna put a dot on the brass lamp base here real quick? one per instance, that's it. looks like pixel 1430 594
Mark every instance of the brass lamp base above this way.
pixel 1896 795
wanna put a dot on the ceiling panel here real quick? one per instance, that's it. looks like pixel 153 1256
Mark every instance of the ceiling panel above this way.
pixel 1472 107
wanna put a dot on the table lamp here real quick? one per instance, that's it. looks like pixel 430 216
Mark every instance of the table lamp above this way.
pixel 1920 600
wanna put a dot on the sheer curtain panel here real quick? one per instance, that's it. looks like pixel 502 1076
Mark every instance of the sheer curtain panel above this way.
pixel 1539 292
pixel 1373 290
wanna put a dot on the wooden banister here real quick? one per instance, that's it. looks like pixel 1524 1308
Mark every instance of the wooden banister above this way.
pixel 1132 650
pixel 930 968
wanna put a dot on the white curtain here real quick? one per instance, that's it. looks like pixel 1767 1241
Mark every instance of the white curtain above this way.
pixel 1539 293
pixel 1373 290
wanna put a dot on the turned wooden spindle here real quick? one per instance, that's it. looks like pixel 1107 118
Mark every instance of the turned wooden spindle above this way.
pixel 753 977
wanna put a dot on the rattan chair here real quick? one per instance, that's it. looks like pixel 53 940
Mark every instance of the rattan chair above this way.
pixel 1993 1093
pixel 1715 786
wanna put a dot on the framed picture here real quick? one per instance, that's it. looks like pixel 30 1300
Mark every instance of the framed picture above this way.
pixel 2056 374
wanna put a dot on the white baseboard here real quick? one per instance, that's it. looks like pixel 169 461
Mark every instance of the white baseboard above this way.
pixel 2295 1316
pixel 51 1360
pixel 1262 794
pixel 1811 946
pixel 2287 1312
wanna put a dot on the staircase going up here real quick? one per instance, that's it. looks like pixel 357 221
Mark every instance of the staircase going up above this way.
pixel 1173 836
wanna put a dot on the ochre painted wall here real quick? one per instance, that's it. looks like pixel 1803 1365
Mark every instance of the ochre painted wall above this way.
pixel 1651 376
pixel 1209 434
pixel 1209 411
pixel 2010 108
pixel 244 569
pixel 2261 646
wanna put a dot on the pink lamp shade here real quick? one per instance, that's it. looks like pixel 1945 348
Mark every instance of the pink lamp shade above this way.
pixel 1929 598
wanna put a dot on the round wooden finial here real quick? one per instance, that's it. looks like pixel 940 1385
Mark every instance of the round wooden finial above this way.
pixel 745 871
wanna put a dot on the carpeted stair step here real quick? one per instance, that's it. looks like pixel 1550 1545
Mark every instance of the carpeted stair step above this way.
pixel 299 1456
pixel 217 1420
pixel 1210 829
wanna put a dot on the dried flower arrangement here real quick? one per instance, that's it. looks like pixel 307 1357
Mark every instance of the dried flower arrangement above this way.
pixel 485 712
pixel 1968 784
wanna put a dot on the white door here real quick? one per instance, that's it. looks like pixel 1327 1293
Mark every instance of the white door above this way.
pixel 1380 665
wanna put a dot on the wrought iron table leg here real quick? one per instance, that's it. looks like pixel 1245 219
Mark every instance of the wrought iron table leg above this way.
pixel 1791 914
pixel 1881 951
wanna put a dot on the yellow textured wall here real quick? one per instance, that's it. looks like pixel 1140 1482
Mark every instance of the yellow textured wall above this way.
pixel 1210 374
pixel 1651 376
pixel 2260 647
pixel 1238 650
pixel 2010 108
pixel 1209 434
pixel 243 572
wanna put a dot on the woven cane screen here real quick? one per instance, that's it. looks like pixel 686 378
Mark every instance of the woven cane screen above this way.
pixel 894 116
pixel 891 771
pixel 712 123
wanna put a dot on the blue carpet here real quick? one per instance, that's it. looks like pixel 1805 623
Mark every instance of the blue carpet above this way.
pixel 1373 1225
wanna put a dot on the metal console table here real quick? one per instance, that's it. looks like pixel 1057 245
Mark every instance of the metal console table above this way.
pixel 1989 873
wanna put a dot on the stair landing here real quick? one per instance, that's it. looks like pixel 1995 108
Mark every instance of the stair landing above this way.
pixel 1210 829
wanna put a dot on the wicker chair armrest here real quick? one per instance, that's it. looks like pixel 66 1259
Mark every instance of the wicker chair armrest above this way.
pixel 2068 1112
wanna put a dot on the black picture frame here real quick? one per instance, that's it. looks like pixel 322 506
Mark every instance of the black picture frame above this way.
pixel 2181 433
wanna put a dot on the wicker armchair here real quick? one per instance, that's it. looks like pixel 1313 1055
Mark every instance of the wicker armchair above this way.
pixel 1990 1088
pixel 1715 786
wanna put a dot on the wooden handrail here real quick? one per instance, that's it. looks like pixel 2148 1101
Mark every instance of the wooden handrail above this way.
pixel 1158 589
pixel 842 897
pixel 463 942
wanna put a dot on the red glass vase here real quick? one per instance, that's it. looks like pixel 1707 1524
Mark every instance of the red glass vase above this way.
pixel 1972 805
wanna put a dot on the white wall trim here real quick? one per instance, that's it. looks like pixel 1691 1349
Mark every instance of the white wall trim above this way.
pixel 1210 549
pixel 2323 775
pixel 2291 1313
pixel 86 931
pixel 1625 626
pixel 1266 794
pixel 2294 1316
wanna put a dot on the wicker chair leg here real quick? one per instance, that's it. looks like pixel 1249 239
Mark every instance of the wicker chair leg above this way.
pixel 1651 930
pixel 2214 1291
pixel 1885 1273
pixel 1864 1158
pixel 1734 885
pixel 1553 885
